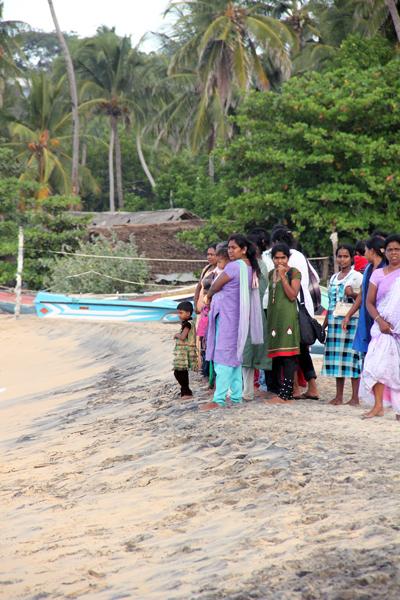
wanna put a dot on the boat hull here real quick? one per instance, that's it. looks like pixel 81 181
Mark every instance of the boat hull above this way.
pixel 8 301
pixel 59 306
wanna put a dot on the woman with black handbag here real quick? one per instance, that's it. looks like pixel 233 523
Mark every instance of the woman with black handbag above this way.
pixel 297 260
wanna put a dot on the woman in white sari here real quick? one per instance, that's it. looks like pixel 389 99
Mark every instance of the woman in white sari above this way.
pixel 380 380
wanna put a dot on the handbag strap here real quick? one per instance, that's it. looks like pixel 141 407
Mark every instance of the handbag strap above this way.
pixel 301 301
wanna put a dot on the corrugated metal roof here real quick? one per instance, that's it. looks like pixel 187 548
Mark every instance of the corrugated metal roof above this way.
pixel 145 217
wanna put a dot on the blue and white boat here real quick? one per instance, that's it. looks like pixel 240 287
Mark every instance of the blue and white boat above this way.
pixel 147 307
pixel 90 308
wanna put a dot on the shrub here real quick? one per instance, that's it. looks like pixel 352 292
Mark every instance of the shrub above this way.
pixel 95 275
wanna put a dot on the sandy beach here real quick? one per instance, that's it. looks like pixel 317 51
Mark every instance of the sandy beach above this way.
pixel 112 487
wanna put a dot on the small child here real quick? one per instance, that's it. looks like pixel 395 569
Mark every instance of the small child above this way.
pixel 201 328
pixel 222 256
pixel 360 262
pixel 185 355
pixel 202 321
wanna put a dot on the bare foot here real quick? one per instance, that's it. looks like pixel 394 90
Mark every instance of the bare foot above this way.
pixel 210 406
pixel 336 401
pixel 353 402
pixel 263 394
pixel 312 391
pixel 188 397
pixel 373 413
pixel 277 400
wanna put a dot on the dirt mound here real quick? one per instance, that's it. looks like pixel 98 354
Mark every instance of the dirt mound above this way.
pixel 160 241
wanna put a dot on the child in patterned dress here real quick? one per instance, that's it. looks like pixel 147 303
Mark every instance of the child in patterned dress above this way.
pixel 185 354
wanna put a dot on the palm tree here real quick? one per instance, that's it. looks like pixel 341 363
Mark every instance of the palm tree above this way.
pixel 297 15
pixel 74 102
pixel 228 41
pixel 107 64
pixel 371 15
pixel 8 47
pixel 40 135
pixel 394 14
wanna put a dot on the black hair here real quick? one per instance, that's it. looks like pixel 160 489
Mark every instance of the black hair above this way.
pixel 281 234
pixel 222 250
pixel 213 245
pixel 263 238
pixel 281 247
pixel 186 306
pixel 378 233
pixel 257 243
pixel 394 237
pixel 207 282
pixel 376 244
pixel 251 254
pixel 347 247
pixel 359 248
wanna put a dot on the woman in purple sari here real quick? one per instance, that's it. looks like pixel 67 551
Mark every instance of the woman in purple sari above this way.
pixel 380 380
pixel 235 310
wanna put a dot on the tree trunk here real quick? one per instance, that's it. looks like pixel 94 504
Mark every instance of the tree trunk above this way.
pixel 394 13
pixel 143 161
pixel 211 145
pixel 84 154
pixel 74 103
pixel 118 170
pixel 2 89
pixel 211 167
pixel 111 163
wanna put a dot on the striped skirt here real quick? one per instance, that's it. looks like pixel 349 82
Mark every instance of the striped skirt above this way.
pixel 340 360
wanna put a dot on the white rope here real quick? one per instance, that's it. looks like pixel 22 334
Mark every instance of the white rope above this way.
pixel 196 260
pixel 91 272
pixel 189 260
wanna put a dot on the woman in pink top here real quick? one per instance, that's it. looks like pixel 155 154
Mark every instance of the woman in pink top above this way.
pixel 380 380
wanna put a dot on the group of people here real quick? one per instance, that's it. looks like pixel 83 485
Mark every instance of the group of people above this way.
pixel 248 334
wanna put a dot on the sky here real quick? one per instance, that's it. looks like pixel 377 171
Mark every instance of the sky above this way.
pixel 130 17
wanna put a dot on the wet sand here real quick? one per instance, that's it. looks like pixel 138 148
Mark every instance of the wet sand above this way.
pixel 111 487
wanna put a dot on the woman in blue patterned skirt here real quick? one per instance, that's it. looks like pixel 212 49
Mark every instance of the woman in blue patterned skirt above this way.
pixel 340 360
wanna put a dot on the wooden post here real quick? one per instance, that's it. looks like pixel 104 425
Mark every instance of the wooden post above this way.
pixel 325 269
pixel 335 240
pixel 20 265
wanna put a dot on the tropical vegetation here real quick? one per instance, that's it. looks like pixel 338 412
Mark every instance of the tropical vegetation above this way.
pixel 248 112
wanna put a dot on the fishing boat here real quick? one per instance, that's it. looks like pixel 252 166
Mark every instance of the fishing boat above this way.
pixel 111 308
pixel 8 301
pixel 131 308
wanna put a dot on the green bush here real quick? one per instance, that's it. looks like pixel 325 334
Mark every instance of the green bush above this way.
pixel 94 275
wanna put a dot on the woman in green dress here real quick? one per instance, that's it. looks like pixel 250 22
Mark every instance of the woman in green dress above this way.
pixel 283 322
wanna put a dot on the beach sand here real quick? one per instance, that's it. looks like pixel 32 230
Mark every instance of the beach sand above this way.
pixel 112 487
